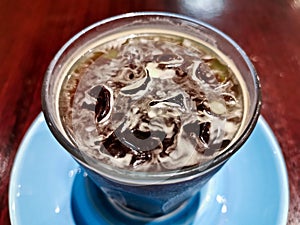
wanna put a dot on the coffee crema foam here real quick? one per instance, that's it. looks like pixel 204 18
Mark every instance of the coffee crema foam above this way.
pixel 151 103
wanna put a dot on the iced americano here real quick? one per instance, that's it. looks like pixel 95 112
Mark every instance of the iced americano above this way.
pixel 152 100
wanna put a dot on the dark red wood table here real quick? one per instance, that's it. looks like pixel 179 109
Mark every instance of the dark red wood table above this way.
pixel 31 32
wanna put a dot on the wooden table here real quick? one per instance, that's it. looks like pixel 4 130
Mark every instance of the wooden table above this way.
pixel 31 32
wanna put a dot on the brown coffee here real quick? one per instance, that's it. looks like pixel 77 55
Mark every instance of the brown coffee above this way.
pixel 152 102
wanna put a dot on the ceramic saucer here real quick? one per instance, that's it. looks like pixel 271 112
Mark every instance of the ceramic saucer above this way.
pixel 45 187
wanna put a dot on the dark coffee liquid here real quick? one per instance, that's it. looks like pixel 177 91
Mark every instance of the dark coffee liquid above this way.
pixel 151 102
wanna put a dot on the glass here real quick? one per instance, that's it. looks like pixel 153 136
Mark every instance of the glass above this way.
pixel 147 194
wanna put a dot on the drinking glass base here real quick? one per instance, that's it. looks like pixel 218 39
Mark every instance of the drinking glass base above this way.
pixel 89 205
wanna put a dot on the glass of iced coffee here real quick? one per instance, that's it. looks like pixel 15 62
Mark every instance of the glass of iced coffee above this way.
pixel 151 105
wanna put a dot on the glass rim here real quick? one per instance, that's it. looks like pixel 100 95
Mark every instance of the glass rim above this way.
pixel 132 176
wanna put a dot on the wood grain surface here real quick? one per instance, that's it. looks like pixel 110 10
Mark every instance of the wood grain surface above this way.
pixel 31 32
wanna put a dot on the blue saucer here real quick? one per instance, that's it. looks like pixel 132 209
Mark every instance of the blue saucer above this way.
pixel 252 187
